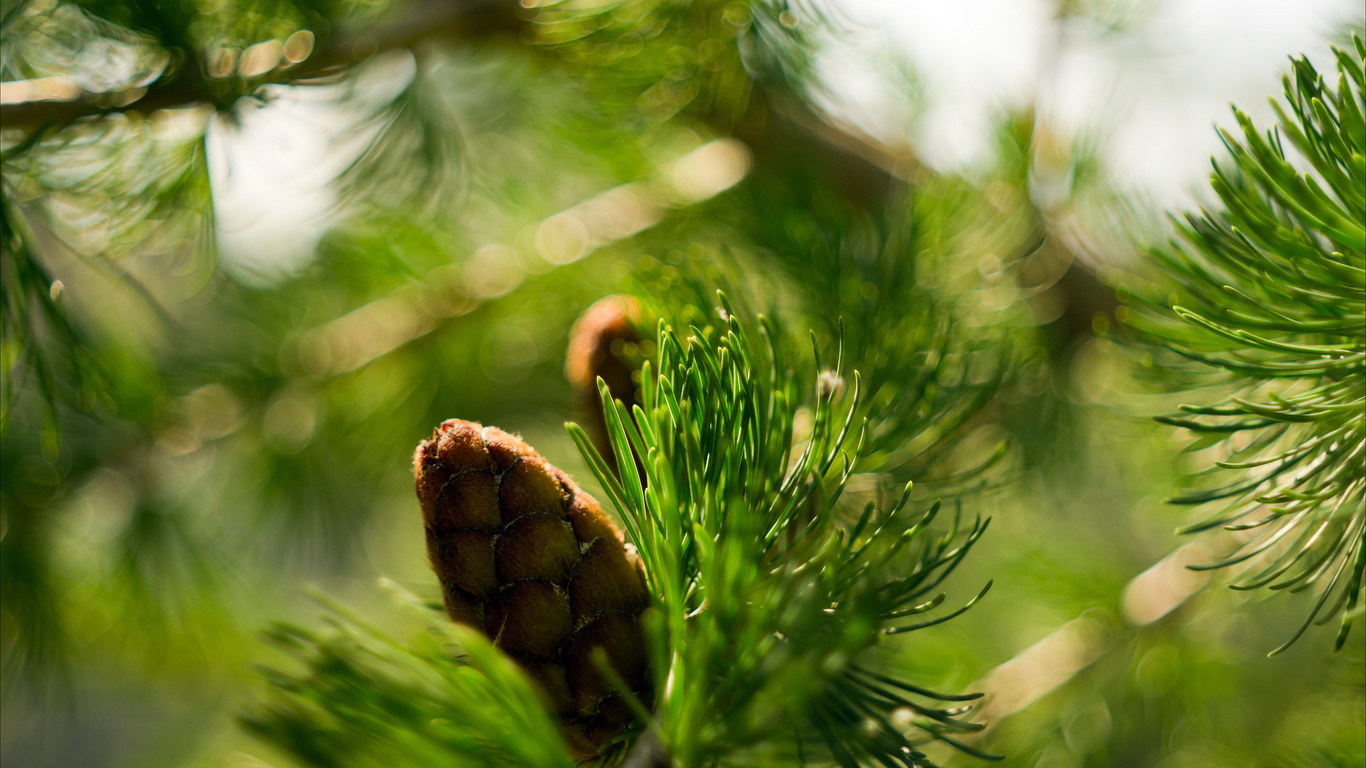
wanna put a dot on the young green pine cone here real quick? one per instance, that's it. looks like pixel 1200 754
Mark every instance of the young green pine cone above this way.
pixel 533 562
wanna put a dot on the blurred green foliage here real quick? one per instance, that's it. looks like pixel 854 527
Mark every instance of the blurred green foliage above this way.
pixel 369 700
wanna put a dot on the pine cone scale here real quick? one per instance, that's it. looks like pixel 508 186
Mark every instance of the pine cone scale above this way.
pixel 618 635
pixel 537 546
pixel 467 556
pixel 467 501
pixel 604 580
pixel 531 618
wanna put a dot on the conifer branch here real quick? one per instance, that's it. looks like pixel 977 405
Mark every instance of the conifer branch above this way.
pixel 758 579
pixel 190 85
pixel 1270 296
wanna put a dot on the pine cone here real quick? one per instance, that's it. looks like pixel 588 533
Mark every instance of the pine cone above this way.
pixel 597 345
pixel 533 562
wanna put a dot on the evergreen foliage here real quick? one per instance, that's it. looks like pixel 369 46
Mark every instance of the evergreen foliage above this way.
pixel 935 342
pixel 365 699
pixel 1270 297
pixel 768 596
pixel 183 441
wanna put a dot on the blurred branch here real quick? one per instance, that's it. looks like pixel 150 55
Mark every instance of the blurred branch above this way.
pixel 865 167
pixel 414 310
pixel 778 128
pixel 1047 665
pixel 189 86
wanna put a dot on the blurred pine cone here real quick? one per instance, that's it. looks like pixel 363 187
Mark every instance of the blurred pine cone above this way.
pixel 603 343
pixel 533 562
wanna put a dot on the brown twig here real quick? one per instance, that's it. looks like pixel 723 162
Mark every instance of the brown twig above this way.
pixel 189 86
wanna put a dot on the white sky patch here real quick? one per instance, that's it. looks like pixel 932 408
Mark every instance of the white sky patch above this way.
pixel 970 60
pixel 273 172
pixel 1151 93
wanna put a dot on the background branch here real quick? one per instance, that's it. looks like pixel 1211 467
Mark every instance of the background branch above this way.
pixel 189 86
